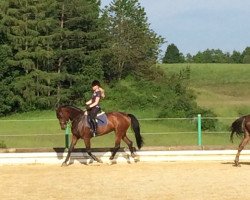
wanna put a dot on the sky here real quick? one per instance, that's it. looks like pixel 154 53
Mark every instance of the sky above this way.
pixel 197 25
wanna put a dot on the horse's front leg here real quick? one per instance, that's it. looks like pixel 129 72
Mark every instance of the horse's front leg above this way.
pixel 71 148
pixel 88 149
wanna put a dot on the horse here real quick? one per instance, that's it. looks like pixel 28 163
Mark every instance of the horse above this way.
pixel 118 122
pixel 241 126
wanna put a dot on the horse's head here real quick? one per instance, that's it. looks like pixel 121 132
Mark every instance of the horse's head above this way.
pixel 63 116
pixel 67 113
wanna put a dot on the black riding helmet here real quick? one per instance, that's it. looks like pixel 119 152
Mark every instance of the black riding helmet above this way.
pixel 96 82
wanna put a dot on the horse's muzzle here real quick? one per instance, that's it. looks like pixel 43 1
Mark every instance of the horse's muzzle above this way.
pixel 63 126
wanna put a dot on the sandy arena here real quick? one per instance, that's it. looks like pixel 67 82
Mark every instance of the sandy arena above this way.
pixel 145 181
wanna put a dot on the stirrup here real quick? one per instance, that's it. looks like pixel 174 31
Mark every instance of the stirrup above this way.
pixel 94 133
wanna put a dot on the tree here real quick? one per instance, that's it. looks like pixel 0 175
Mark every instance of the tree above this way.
pixel 172 55
pixel 246 55
pixel 78 47
pixel 7 99
pixel 198 58
pixel 246 59
pixel 54 49
pixel 133 47
pixel 189 58
pixel 212 56
pixel 236 57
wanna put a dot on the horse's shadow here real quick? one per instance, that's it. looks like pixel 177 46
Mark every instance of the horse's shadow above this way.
pixel 122 153
pixel 233 164
pixel 85 159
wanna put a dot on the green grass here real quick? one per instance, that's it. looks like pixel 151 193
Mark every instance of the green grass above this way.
pixel 223 88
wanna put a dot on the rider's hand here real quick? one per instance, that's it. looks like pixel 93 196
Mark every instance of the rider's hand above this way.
pixel 87 107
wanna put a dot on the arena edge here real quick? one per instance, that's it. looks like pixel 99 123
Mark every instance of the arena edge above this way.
pixel 123 157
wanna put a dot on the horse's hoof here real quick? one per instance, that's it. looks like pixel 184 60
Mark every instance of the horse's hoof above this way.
pixel 111 157
pixel 136 159
pixel 99 161
pixel 236 164
pixel 133 155
pixel 64 164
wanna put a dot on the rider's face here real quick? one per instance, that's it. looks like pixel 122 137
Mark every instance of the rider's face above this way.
pixel 94 87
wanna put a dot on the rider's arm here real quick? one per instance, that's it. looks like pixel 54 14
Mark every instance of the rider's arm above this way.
pixel 97 99
pixel 89 102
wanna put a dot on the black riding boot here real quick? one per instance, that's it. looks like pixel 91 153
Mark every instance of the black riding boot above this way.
pixel 93 127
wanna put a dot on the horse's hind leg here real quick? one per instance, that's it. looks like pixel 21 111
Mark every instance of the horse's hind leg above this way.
pixel 241 147
pixel 116 148
pixel 130 145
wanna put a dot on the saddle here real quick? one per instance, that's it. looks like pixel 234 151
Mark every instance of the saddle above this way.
pixel 101 119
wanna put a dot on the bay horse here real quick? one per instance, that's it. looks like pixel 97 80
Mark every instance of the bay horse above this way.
pixel 241 126
pixel 118 122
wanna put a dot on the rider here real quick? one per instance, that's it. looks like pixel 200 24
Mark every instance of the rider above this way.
pixel 93 104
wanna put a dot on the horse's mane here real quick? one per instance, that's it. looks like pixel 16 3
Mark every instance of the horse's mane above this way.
pixel 73 107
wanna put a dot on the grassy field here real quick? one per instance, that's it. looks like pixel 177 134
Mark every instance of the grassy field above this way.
pixel 223 88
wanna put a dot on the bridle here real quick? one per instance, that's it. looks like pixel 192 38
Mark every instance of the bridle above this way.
pixel 62 120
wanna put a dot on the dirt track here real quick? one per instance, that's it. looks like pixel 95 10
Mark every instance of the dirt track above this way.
pixel 168 181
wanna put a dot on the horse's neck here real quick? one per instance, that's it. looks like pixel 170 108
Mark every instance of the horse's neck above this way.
pixel 81 120
pixel 73 114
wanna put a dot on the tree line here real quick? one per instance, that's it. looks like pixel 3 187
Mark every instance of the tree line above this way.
pixel 173 55
pixel 51 50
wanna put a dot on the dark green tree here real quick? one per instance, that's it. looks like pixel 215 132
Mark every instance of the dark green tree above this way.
pixel 54 49
pixel 78 47
pixel 172 55
pixel 7 99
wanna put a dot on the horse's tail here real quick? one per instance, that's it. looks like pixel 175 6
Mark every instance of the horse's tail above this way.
pixel 136 128
pixel 237 127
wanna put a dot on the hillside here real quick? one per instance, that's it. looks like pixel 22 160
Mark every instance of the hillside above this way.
pixel 223 88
